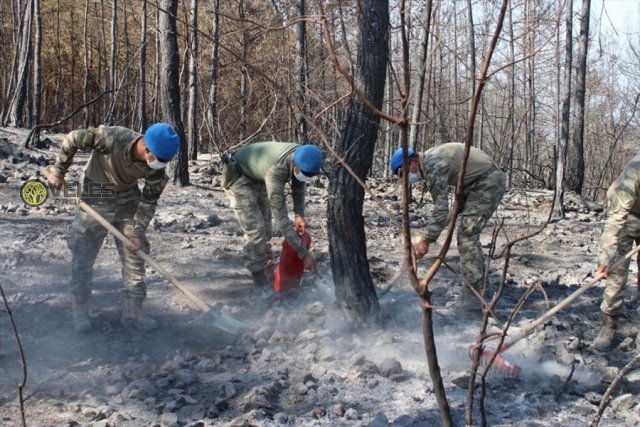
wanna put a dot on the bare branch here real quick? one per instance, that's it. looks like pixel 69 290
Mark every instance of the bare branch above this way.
pixel 23 362
pixel 607 395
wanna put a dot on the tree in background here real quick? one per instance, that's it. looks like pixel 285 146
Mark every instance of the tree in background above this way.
pixel 575 157
pixel 170 88
pixel 563 138
pixel 193 81
pixel 272 77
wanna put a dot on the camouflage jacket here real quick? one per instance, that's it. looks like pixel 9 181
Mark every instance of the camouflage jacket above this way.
pixel 272 163
pixel 111 163
pixel 623 199
pixel 440 166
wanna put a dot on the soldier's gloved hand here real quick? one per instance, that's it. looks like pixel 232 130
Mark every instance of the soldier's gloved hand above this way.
pixel 309 263
pixel 421 248
pixel 604 269
pixel 135 244
pixel 269 253
pixel 299 224
pixel 54 181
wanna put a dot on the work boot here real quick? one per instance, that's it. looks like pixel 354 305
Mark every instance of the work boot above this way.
pixel 132 316
pixel 263 284
pixel 605 337
pixel 81 319
pixel 260 279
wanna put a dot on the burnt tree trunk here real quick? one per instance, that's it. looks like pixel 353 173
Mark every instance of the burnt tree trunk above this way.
pixel 20 94
pixel 558 207
pixel 575 156
pixel 113 75
pixel 212 120
pixel 142 76
pixel 85 73
pixel 422 73
pixel 347 240
pixel 169 86
pixel 193 82
pixel 301 72
pixel 37 68
pixel 244 55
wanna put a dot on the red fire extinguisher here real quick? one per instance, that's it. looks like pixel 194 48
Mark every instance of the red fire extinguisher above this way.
pixel 290 269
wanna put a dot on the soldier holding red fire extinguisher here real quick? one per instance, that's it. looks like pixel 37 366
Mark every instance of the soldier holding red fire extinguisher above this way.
pixel 254 179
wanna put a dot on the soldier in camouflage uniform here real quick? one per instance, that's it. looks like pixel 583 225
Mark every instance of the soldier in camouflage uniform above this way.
pixel 484 186
pixel 621 229
pixel 254 179
pixel 119 158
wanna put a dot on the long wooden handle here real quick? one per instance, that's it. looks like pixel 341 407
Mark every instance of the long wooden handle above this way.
pixel 146 258
pixel 638 265
pixel 565 302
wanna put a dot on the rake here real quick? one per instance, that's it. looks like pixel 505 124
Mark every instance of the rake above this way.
pixel 512 369
pixel 223 322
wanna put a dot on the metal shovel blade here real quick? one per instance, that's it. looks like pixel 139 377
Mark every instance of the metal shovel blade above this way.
pixel 227 323
pixel 384 291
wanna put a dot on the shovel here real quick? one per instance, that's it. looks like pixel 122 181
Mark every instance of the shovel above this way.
pixel 221 321
pixel 512 369
pixel 390 284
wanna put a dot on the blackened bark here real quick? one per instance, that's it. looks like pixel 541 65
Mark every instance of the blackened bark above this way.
pixel 244 55
pixel 169 86
pixel 142 76
pixel 20 95
pixel 575 155
pixel 213 89
pixel 113 63
pixel 558 208
pixel 301 72
pixel 193 82
pixel 37 68
pixel 347 240
pixel 422 74
pixel 85 78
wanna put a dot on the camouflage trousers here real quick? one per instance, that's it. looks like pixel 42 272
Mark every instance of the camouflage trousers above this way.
pixel 616 283
pixel 481 201
pixel 248 198
pixel 85 240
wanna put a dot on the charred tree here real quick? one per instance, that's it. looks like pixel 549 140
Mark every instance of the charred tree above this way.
pixel 575 153
pixel 212 118
pixel 169 86
pixel 301 72
pixel 558 208
pixel 244 77
pixel 85 79
pixel 193 81
pixel 422 73
pixel 347 240
pixel 142 72
pixel 37 67
pixel 24 61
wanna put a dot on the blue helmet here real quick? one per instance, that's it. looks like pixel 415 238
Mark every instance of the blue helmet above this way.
pixel 308 158
pixel 162 141
pixel 396 159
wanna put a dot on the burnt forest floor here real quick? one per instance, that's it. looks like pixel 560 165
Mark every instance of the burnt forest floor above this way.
pixel 300 363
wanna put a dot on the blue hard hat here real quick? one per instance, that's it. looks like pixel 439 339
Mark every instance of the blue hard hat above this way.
pixel 308 158
pixel 162 141
pixel 396 159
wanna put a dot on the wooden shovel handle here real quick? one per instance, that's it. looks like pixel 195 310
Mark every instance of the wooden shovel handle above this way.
pixel 565 302
pixel 146 258
pixel 638 265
